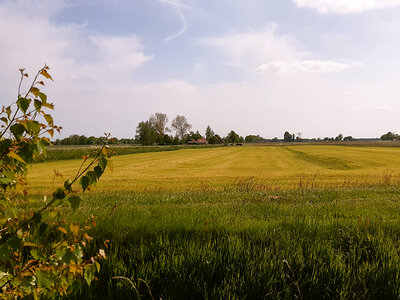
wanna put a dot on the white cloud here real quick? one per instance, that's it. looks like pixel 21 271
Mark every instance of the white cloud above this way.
pixel 313 66
pixel 345 6
pixel 250 49
pixel 90 71
pixel 120 53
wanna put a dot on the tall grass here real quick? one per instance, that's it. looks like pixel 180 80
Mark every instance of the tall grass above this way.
pixel 306 244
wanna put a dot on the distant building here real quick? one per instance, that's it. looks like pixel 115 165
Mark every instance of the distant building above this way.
pixel 198 142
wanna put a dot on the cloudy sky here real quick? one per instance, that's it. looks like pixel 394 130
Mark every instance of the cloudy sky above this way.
pixel 319 67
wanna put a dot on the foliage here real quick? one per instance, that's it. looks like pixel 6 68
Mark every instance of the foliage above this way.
pixel 76 139
pixel 254 139
pixel 41 254
pixel 145 133
pixel 390 136
pixel 159 123
pixel 209 133
pixel 181 126
pixel 287 137
pixel 232 137
pixel 339 137
pixel 348 138
pixel 194 136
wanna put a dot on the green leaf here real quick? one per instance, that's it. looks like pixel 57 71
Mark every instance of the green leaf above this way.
pixel 98 171
pixel 43 97
pixel 92 177
pixel 68 257
pixel 59 194
pixel 90 271
pixel 4 252
pixel 84 182
pixel 97 266
pixel 33 127
pixel 35 91
pixel 16 157
pixel 41 148
pixel 5 145
pixel 74 201
pixel 38 104
pixel 23 104
pixel 49 119
pixel 6 181
pixel 103 163
pixel 44 279
pixel 17 130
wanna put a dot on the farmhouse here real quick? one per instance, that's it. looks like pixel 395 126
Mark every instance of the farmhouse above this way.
pixel 198 142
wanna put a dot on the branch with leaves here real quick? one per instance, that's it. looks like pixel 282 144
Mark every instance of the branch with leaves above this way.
pixel 40 254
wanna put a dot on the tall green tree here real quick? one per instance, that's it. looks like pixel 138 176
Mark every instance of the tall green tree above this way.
pixel 159 122
pixel 287 137
pixel 145 133
pixel 209 133
pixel 232 137
pixel 390 136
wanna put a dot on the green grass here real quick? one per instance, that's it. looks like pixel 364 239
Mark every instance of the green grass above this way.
pixel 272 222
pixel 339 243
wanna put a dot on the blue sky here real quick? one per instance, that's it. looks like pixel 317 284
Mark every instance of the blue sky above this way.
pixel 319 67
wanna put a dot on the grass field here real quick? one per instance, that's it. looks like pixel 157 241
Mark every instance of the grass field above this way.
pixel 273 222
pixel 262 168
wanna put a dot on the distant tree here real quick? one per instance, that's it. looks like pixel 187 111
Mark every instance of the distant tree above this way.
pixel 159 122
pixel 339 137
pixel 91 140
pixel 168 139
pixel 287 137
pixel 181 126
pixel 241 139
pixel 213 140
pixel 209 134
pixel 194 136
pixel 348 138
pixel 145 133
pixel 176 141
pixel 275 139
pixel 232 137
pixel 390 136
pixel 253 139
pixel 299 139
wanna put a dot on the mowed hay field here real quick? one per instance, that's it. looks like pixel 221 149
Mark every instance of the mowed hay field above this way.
pixel 256 167
pixel 257 222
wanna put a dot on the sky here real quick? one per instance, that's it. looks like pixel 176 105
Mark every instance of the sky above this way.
pixel 315 67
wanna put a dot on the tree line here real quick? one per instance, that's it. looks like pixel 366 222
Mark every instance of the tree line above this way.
pixel 156 130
